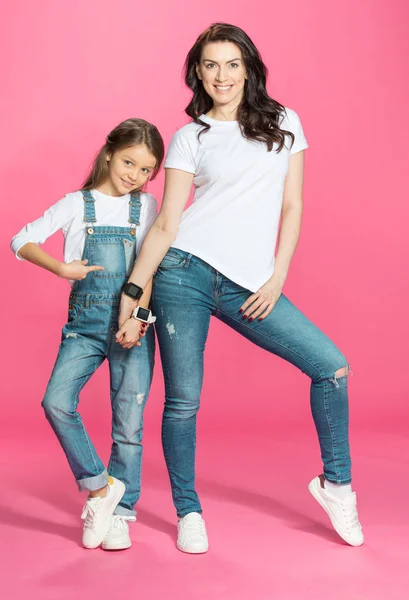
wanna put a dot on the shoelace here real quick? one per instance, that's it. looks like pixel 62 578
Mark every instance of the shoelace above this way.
pixel 350 512
pixel 89 512
pixel 119 523
pixel 193 528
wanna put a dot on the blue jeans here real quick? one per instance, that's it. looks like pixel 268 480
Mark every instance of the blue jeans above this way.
pixel 187 292
pixel 87 339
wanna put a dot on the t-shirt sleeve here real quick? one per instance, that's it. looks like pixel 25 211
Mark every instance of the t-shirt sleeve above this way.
pixel 300 143
pixel 182 151
pixel 152 212
pixel 56 217
pixel 149 214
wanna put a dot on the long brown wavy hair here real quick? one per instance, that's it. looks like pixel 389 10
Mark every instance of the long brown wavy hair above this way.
pixel 259 116
pixel 132 132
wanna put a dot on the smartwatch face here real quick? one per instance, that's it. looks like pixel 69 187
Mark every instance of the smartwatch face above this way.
pixel 143 313
pixel 134 289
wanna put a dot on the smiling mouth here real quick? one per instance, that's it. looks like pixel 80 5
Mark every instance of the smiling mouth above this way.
pixel 223 88
pixel 127 183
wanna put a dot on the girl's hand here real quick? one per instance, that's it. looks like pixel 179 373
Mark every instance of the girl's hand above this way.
pixel 77 269
pixel 263 301
pixel 130 333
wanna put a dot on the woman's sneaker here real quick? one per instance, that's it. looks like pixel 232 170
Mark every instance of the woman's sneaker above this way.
pixel 117 537
pixel 97 513
pixel 192 536
pixel 342 512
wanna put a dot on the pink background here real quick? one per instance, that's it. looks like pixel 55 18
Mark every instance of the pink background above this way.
pixel 74 70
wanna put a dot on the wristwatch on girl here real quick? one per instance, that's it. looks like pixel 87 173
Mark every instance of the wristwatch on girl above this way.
pixel 144 315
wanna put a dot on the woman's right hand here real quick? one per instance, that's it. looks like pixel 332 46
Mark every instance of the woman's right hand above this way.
pixel 77 269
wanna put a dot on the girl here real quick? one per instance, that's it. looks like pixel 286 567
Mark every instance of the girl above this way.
pixel 103 224
pixel 244 153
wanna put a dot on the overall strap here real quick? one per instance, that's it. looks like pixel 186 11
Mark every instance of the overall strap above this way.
pixel 135 210
pixel 89 207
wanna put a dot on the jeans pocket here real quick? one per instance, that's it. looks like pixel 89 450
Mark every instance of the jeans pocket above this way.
pixel 173 259
pixel 74 310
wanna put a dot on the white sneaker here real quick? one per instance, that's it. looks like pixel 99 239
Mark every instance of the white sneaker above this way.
pixel 342 512
pixel 97 513
pixel 192 536
pixel 117 537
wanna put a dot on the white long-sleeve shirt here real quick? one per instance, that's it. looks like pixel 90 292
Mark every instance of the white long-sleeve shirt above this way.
pixel 68 215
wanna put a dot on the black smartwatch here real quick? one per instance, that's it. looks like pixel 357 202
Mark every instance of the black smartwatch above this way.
pixel 132 290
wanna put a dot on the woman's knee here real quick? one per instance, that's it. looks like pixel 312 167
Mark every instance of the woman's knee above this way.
pixel 181 408
pixel 342 372
pixel 334 368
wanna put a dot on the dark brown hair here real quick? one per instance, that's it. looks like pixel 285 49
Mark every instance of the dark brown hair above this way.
pixel 259 116
pixel 132 132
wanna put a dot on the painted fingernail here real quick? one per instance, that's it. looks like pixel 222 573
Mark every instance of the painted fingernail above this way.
pixel 260 319
pixel 241 310
pixel 251 319
pixel 244 316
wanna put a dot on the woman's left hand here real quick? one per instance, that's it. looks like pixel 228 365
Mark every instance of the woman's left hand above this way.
pixel 260 304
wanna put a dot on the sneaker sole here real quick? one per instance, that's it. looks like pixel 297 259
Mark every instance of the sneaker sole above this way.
pixel 314 490
pixel 117 497
pixel 180 547
pixel 119 547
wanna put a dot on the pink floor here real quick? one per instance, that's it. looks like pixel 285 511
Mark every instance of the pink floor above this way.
pixel 269 540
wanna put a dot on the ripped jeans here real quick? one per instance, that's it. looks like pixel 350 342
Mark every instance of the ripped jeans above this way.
pixel 87 340
pixel 187 292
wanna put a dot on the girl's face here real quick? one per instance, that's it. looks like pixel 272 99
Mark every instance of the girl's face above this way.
pixel 128 170
pixel 223 73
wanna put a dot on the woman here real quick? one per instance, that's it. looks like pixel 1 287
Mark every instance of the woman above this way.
pixel 244 153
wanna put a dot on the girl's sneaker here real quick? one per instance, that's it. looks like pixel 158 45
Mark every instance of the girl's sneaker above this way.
pixel 192 536
pixel 342 512
pixel 117 537
pixel 97 513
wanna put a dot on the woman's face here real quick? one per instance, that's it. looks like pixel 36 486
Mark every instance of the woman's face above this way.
pixel 223 74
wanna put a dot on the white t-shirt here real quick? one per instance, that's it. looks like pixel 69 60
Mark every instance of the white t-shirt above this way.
pixel 68 215
pixel 233 221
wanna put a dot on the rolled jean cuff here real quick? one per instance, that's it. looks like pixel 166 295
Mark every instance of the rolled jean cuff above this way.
pixel 345 481
pixel 125 512
pixel 90 484
pixel 183 513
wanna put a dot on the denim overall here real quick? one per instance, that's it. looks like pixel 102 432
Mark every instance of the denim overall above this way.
pixel 87 339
